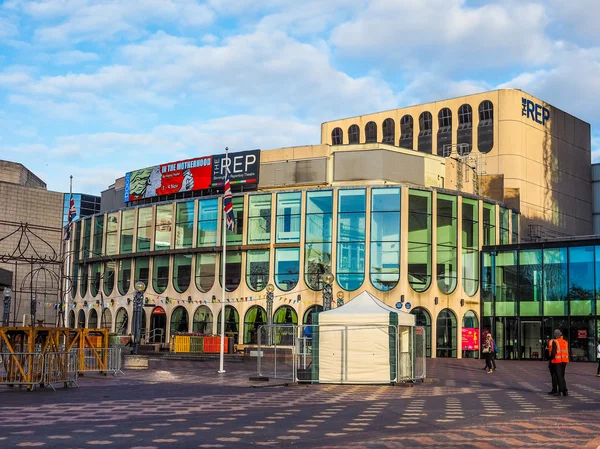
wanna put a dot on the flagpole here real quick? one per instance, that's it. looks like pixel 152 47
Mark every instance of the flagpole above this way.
pixel 66 291
pixel 222 349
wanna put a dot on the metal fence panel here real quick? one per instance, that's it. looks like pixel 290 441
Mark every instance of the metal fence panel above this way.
pixel 61 367
pixel 21 368
pixel 275 352
pixel 420 352
pixel 114 361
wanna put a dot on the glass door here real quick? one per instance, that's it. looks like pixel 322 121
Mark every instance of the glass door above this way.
pixel 531 340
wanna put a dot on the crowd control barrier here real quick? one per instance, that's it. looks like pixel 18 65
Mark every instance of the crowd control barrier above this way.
pixel 60 368
pixel 100 360
pixel 21 369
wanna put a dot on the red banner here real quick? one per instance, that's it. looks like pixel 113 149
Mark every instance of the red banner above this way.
pixel 470 339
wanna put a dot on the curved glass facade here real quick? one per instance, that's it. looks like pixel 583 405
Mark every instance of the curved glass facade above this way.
pixel 160 273
pixel 385 238
pixel 446 250
pixel 255 317
pixel 419 240
pixel 470 246
pixel 182 272
pixel 257 269
pixel 351 229
pixel 109 278
pixel 179 320
pixel 203 321
pixel 205 271
pixel 317 235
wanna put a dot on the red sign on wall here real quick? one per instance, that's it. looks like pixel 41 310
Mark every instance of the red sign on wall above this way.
pixel 582 334
pixel 470 339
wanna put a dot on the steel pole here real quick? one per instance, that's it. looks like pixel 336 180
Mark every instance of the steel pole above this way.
pixel 6 314
pixel 270 318
pixel 138 299
pixel 327 296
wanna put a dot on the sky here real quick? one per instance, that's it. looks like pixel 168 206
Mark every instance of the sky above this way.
pixel 97 88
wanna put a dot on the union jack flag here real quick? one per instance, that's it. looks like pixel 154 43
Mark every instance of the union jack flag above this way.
pixel 70 217
pixel 228 204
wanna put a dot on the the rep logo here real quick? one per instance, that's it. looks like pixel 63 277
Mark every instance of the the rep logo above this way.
pixel 534 111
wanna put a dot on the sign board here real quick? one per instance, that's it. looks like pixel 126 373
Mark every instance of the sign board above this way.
pixel 534 111
pixel 418 330
pixel 470 339
pixel 244 167
pixel 398 305
pixel 581 333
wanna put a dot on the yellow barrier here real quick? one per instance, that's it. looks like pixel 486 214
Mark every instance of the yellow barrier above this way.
pixel 180 343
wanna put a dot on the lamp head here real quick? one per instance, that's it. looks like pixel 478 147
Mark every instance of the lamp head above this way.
pixel 140 286
pixel 328 277
pixel 270 288
pixel 340 295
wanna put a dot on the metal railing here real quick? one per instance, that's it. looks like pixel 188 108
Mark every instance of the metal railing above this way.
pixel 21 369
pixel 156 335
pixel 60 367
pixel 102 360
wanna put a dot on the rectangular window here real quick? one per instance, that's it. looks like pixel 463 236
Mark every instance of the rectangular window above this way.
pixel 288 217
pixel 506 283
pixel 127 231
pixel 144 229
pixel 555 282
pixel 530 283
pixel 184 225
pixel 98 234
pixel 208 212
pixel 515 228
pixel 489 224
pixel 504 226
pixel 87 232
pixel 259 219
pixel 112 236
pixel 235 237
pixel 164 222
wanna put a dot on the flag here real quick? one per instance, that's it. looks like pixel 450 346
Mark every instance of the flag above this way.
pixel 228 204
pixel 70 217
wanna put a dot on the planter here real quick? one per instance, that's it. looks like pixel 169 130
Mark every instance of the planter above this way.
pixel 135 362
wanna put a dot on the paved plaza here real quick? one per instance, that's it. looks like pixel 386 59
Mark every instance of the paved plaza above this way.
pixel 187 404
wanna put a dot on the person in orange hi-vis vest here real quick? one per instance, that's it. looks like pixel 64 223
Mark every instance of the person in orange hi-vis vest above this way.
pixel 558 354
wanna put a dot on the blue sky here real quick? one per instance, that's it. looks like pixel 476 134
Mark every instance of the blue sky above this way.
pixel 99 88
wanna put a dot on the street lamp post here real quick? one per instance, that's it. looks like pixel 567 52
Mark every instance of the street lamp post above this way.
pixel 138 303
pixel 327 279
pixel 7 300
pixel 270 289
pixel 340 299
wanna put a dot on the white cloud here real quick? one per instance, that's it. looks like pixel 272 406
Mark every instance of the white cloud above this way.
pixel 8 29
pixel 576 19
pixel 73 57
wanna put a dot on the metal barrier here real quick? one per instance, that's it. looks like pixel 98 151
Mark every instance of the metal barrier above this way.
pixel 60 367
pixel 102 360
pixel 420 351
pixel 276 350
pixel 21 368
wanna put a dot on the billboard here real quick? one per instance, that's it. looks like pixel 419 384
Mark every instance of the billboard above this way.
pixel 243 168
pixel 470 339
pixel 166 179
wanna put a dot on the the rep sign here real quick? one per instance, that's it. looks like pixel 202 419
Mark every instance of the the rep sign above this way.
pixel 534 111
pixel 243 168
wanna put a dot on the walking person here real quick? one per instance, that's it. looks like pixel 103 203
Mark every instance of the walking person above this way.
pixel 598 358
pixel 494 353
pixel 487 349
pixel 559 358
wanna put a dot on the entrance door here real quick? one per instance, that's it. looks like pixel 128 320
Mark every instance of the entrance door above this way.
pixel 158 325
pixel 531 340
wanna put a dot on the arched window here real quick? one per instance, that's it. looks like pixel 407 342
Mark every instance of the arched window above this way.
pixel 84 280
pixel 444 134
pixel 464 132
pixel 182 272
pixel 470 245
pixel 179 320
pixel 257 269
pixel 371 132
pixel 124 276
pixel 419 240
pixel 285 334
pixel 255 316
pixel 351 238
pixel 337 136
pixel 109 278
pixel 142 270
pixel 446 334
pixel 470 327
pixel 205 271
pixel 389 131
pixel 106 321
pixel 93 319
pixel 121 321
pixel 203 321
pixel 81 319
pixel 160 273
pixel 232 323
pixel 423 319
pixel 353 134
pixel 425 131
pixel 317 235
pixel 233 270
pixel 406 132
pixel 446 248
pixel 96 276
pixel 385 238
pixel 287 268
pixel 485 129
pixel 74 279
pixel 72 319
pixel 309 312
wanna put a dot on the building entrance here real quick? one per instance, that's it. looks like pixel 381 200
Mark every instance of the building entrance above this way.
pixel 531 340
pixel 158 325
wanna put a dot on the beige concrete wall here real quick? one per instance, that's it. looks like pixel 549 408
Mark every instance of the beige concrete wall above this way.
pixel 17 174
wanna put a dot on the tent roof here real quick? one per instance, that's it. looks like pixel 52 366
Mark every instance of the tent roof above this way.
pixel 368 308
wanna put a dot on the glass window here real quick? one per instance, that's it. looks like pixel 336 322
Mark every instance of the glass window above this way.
pixel 506 284
pixel 285 335
pixel 287 268
pixel 106 320
pixel 87 232
pixel 353 134
pixel 259 219
pixel 257 269
pixel 98 231
pixel 109 278
pixel 385 238
pixel 488 284
pixel 406 132
pixel 423 319
pixel 93 319
pixel 208 211
pixel 489 224
pixel 255 316
pixel 530 282
pixel 371 132
pixel 470 246
pixel 232 323
pixel 337 136
pixel 235 237
pixel 308 319
pixel 289 206
pixel 471 322
pixel 205 271
pixel 84 280
pixel 76 241
pixel 504 226
pixel 317 248
pixel 121 322
pixel 446 251
pixel 127 231
pixel 425 132
pixel 144 229
pixel 444 134
pixel 389 131
pixel 581 280
pixel 160 273
pixel 81 319
pixel 555 282
pixel 446 334
pixel 184 225
pixel 203 321
pixel 350 270
pixel 142 270
pixel 96 276
pixel 485 129
pixel 72 319
pixel 515 227
pixel 419 240
pixel 182 271
pixel 125 276
pixel 74 280
pixel 464 132
pixel 162 232
pixel 179 320
pixel 233 270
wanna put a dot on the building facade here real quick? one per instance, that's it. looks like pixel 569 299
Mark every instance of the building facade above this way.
pixel 85 206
